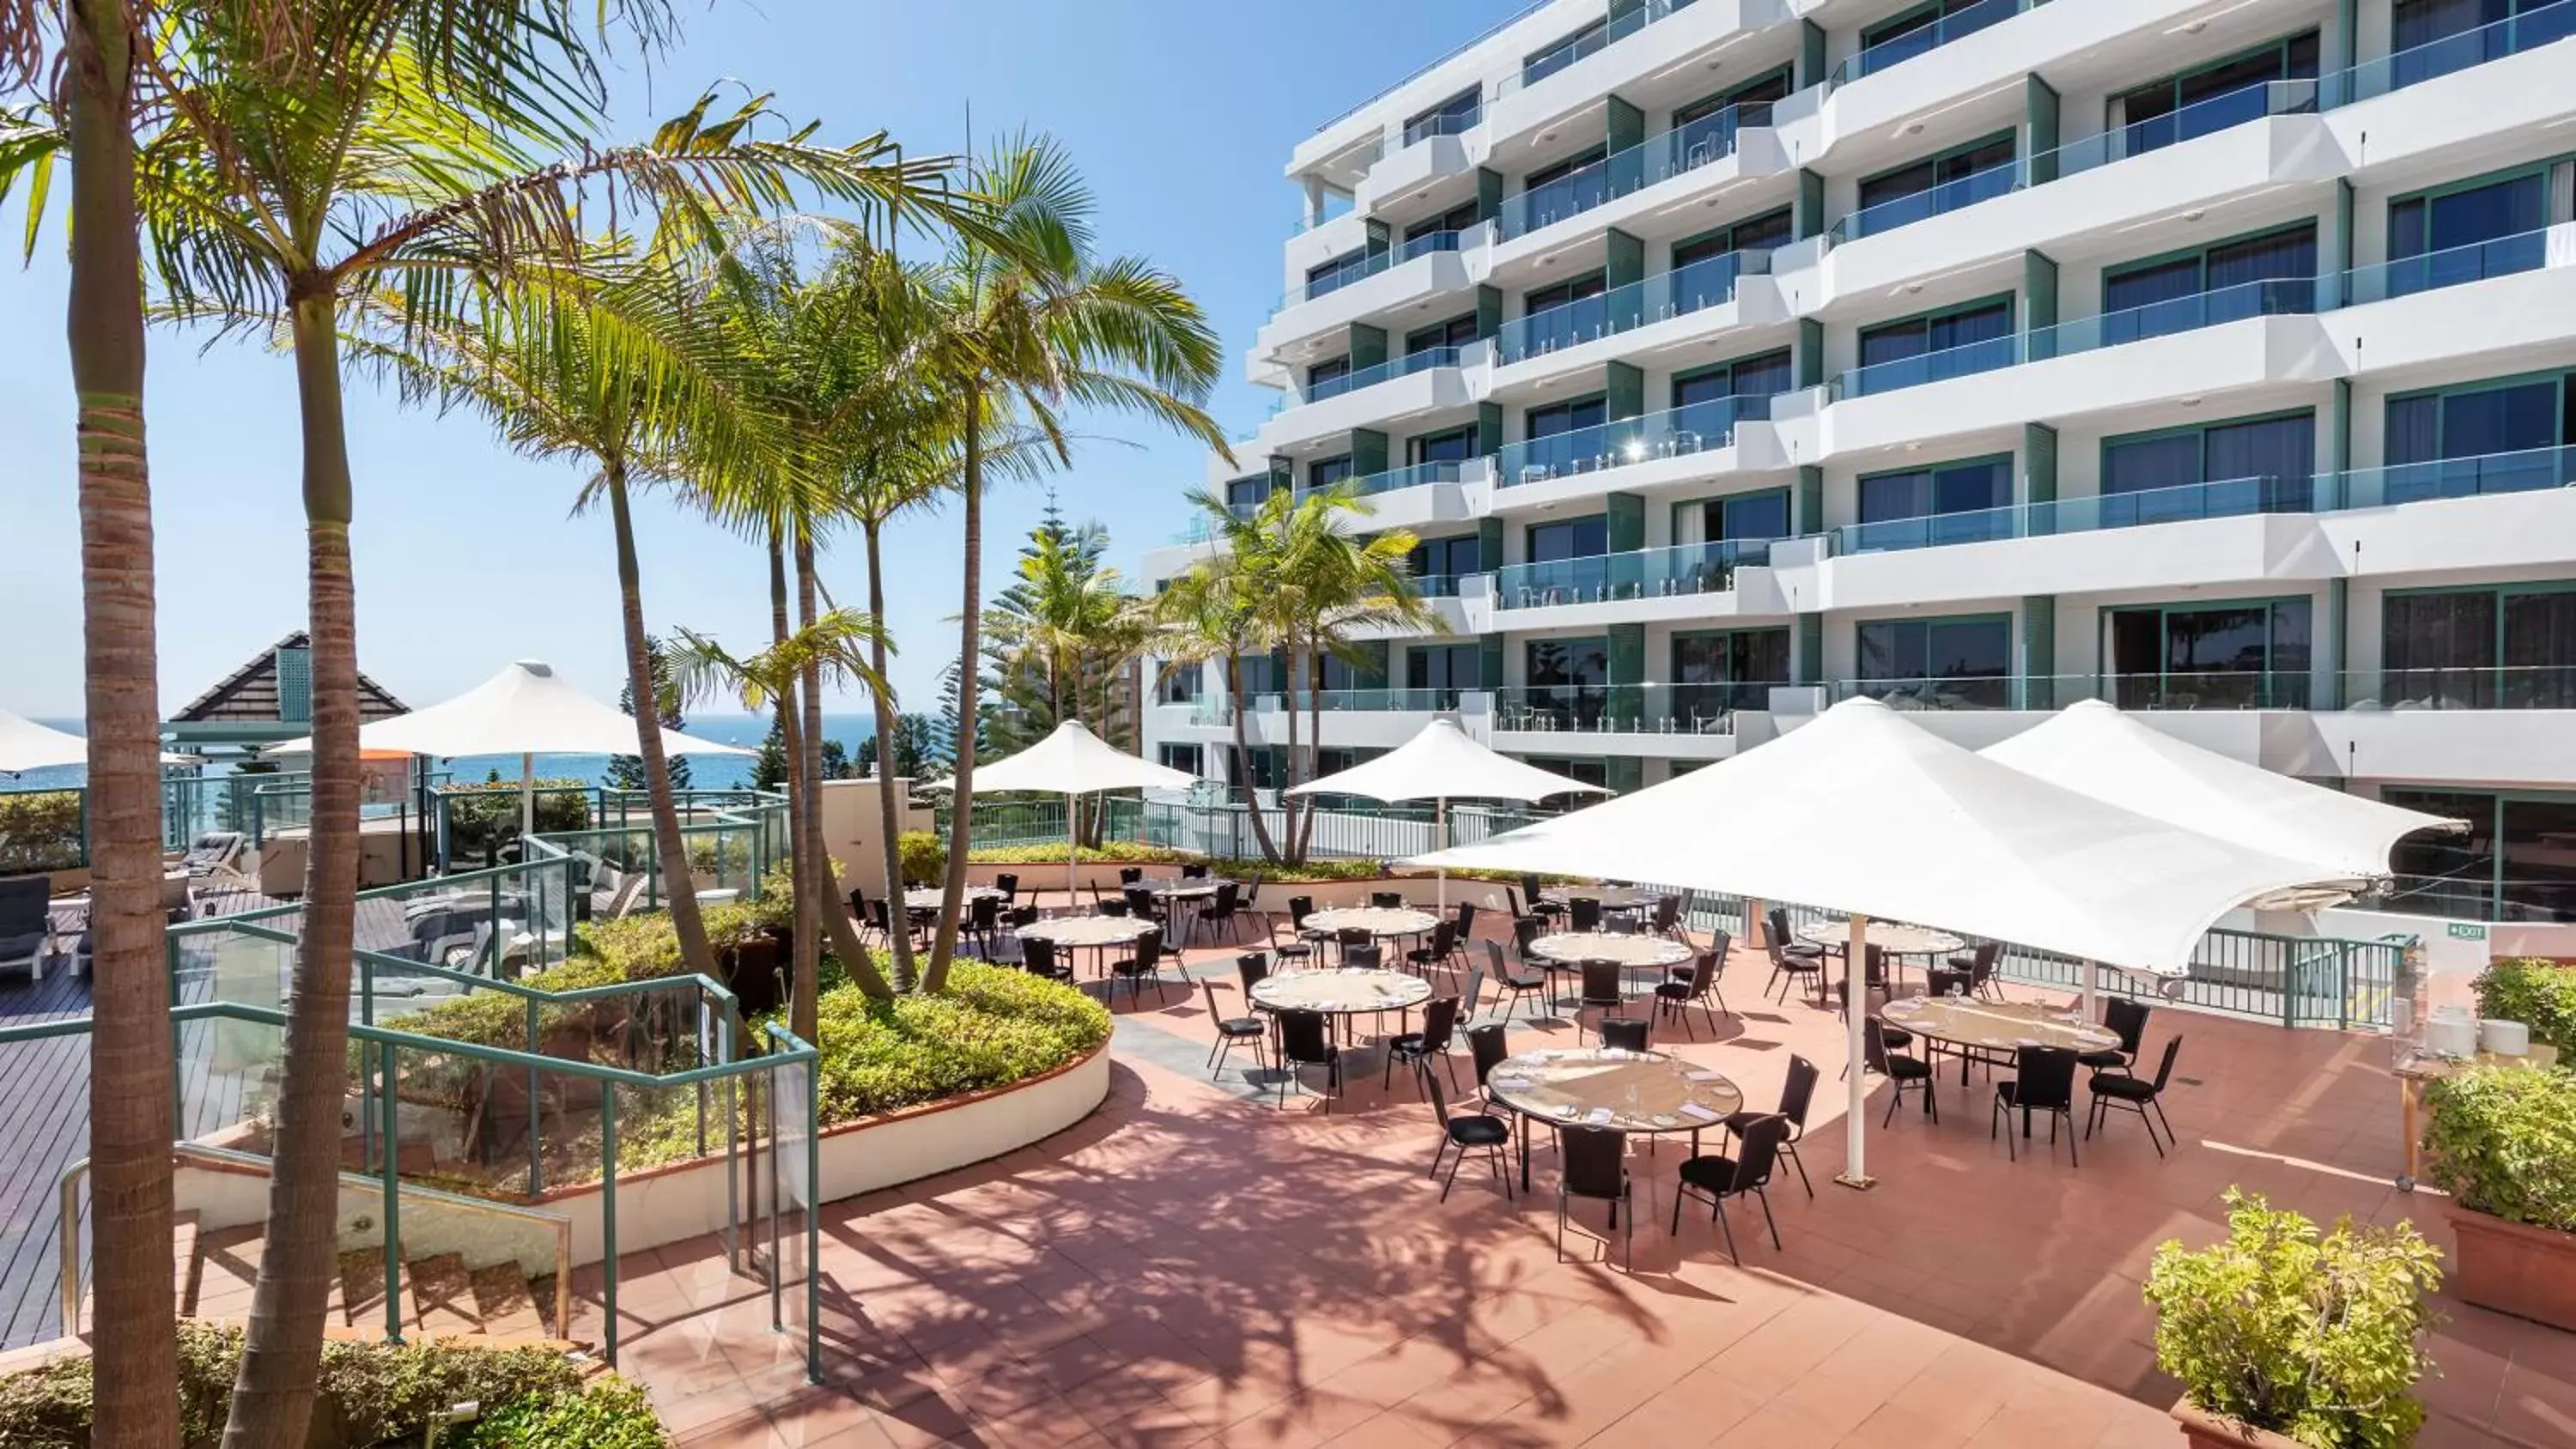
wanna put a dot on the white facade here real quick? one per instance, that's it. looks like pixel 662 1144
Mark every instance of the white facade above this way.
pixel 2217 358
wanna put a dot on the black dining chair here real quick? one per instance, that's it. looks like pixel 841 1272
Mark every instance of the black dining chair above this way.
pixel 1194 872
pixel 1668 917
pixel 1039 957
pixel 1464 1130
pixel 1369 957
pixel 1605 985
pixel 1676 998
pixel 1466 920
pixel 1130 874
pixel 1514 985
pixel 1904 1073
pixel 1141 903
pixel 1444 944
pixel 1624 1033
pixel 1145 965
pixel 1787 970
pixel 1251 969
pixel 1746 1174
pixel 1525 931
pixel 1539 904
pixel 1230 1030
pixel 2136 1094
pixel 1303 948
pixel 1775 922
pixel 2043 1080
pixel 1386 900
pixel 1115 910
pixel 1222 911
pixel 1009 885
pixel 1978 965
pixel 1431 1044
pixel 1595 1167
pixel 2127 1019
pixel 1306 1040
pixel 1797 1094
pixel 1352 938
pixel 983 919
pixel 1583 913
pixel 1488 1046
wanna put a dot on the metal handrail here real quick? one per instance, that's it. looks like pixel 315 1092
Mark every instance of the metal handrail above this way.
pixel 559 1223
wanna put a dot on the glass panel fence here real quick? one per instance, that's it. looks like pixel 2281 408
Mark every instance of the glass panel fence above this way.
pixel 1395 479
pixel 1691 568
pixel 1696 428
pixel 1627 709
pixel 1932 201
pixel 2185 123
pixel 2450 267
pixel 2534 26
pixel 1709 282
pixel 2472 477
pixel 1394 367
pixel 1923 40
pixel 2510 686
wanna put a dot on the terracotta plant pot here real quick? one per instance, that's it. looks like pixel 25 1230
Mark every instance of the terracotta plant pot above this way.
pixel 2208 1431
pixel 2514 1268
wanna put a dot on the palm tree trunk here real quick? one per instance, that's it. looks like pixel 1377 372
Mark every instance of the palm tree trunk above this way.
pixel 842 931
pixel 1243 761
pixel 1314 762
pixel 961 824
pixel 889 810
pixel 1288 812
pixel 805 956
pixel 282 1354
pixel 134 1342
pixel 679 889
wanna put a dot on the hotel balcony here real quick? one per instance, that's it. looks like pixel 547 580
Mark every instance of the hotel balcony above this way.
pixel 1424 494
pixel 1690 581
pixel 1352 718
pixel 1697 441
pixel 1420 382
pixel 1665 169
pixel 1655 721
pixel 1691 304
pixel 1375 285
pixel 1559 83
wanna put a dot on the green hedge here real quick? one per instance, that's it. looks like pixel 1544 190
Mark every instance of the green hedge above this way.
pixel 1122 852
pixel 2538 993
pixel 371 1393
pixel 2502 1140
pixel 993 1027
pixel 41 831
pixel 485 815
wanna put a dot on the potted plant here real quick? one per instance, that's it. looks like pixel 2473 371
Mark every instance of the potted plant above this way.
pixel 2540 994
pixel 2285 1336
pixel 2501 1140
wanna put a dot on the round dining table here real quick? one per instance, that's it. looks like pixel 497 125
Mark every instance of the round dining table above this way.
pixel 1995 1028
pixel 1612 898
pixel 1892 938
pixel 1385 923
pixel 1190 889
pixel 1611 1089
pixel 1570 949
pixel 929 898
pixel 1341 992
pixel 1099 933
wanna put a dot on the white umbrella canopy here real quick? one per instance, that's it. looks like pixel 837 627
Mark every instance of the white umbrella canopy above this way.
pixel 1442 764
pixel 1865 813
pixel 2094 749
pixel 526 709
pixel 1074 761
pixel 27 745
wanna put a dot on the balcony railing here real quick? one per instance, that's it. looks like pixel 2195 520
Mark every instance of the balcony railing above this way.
pixel 2275 297
pixel 2450 267
pixel 1896 373
pixel 1212 707
pixel 2174 690
pixel 2475 477
pixel 2483 686
pixel 1360 269
pixel 2223 498
pixel 1394 479
pixel 1374 701
pixel 1695 428
pixel 1628 709
pixel 1659 157
pixel 1387 371
pixel 2185 123
pixel 1654 573
pixel 1897 49
pixel 1446 123
pixel 1708 282
pixel 1932 201
pixel 2534 27
pixel 1578 48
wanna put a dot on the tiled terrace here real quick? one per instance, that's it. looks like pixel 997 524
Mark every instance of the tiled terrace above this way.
pixel 1195 1265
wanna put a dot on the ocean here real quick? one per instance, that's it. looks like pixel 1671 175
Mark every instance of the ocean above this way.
pixel 706 772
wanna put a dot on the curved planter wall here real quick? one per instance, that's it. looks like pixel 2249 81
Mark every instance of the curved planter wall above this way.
pixel 687 1200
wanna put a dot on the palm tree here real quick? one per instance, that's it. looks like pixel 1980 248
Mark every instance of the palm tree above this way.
pixel 834 647
pixel 135 1338
pixel 1029 321
pixel 1291 576
pixel 335 152
pixel 1064 636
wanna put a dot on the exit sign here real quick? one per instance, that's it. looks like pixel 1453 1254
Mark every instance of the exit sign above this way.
pixel 2467 931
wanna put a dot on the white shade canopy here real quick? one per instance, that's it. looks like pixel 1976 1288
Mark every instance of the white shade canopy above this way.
pixel 1863 812
pixel 27 745
pixel 2096 750
pixel 1073 761
pixel 526 709
pixel 1441 763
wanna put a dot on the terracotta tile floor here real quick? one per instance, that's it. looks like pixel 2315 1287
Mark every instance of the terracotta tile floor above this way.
pixel 1194 1265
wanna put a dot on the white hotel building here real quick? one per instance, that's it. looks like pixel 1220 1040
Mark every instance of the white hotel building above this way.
pixel 1732 357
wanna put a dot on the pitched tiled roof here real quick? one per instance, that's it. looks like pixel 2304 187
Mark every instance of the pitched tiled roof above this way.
pixel 249 694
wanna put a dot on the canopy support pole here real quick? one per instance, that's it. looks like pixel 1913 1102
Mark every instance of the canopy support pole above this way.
pixel 1072 855
pixel 1443 808
pixel 527 802
pixel 2092 987
pixel 1855 1173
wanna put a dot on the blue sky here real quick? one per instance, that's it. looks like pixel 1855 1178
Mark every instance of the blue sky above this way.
pixel 1182 116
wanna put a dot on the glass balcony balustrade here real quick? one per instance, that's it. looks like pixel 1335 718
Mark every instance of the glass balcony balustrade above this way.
pixel 1360 269
pixel 1695 428
pixel 1691 568
pixel 1956 26
pixel 2172 690
pixel 2533 27
pixel 1709 282
pixel 1628 709
pixel 2527 471
pixel 1387 371
pixel 2185 123
pixel 1373 700
pixel 2485 686
pixel 1625 21
pixel 2431 271
pixel 1658 158
pixel 1396 479
pixel 1444 123
pixel 1937 200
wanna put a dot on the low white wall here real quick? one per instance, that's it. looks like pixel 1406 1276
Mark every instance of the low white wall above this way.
pixel 687 1201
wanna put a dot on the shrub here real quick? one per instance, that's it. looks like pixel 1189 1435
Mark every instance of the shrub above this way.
pixel 992 1028
pixel 2502 1140
pixel 611 1415
pixel 1124 852
pixel 925 856
pixel 371 1392
pixel 2539 994
pixel 41 831
pixel 2307 1335
pixel 485 816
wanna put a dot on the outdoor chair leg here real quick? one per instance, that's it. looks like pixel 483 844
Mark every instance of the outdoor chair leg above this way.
pixel 1764 1198
pixel 1794 1161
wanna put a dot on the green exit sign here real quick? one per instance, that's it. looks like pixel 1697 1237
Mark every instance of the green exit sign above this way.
pixel 2467 931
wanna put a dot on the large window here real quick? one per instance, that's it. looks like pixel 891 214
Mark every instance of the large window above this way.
pixel 1340 272
pixel 1448 118
pixel 2240 655
pixel 1714 674
pixel 1457 445
pixel 1188 759
pixel 2249 277
pixel 2216 96
pixel 1961 176
pixel 1924 29
pixel 2465 233
pixel 1550 432
pixel 1540 64
pixel 1955 342
pixel 1964 502
pixel 1328 379
pixel 1325 472
pixel 1454 333
pixel 1568 680
pixel 1577 183
pixel 1260 673
pixel 1955 663
pixel 1590 772
pixel 2499 437
pixel 2516 863
pixel 1567 538
pixel 1438 563
pixel 1559 316
pixel 1181 684
pixel 1743 516
pixel 1245 494
pixel 2510 647
pixel 1450 667
pixel 1705 122
pixel 1438 233
pixel 1756 234
pixel 2436 37
pixel 2249 465
pixel 1765 376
